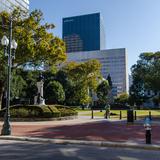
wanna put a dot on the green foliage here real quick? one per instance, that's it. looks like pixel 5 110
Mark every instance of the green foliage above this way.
pixel 31 79
pixel 156 100
pixel 54 93
pixel 137 91
pixel 36 44
pixel 122 98
pixel 18 84
pixel 3 68
pixel 145 75
pixel 79 77
pixel 66 111
pixel 33 111
pixel 109 80
pixel 86 72
pixel 23 84
pixel 102 91
pixel 24 111
pixel 148 70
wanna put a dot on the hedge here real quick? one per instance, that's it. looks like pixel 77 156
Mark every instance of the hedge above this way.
pixel 66 111
pixel 35 111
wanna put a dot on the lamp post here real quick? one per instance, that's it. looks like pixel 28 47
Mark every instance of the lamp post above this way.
pixel 9 51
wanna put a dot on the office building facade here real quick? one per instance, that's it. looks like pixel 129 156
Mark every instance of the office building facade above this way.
pixel 9 5
pixel 114 62
pixel 84 33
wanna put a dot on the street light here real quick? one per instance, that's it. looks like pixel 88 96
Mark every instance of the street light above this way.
pixel 9 51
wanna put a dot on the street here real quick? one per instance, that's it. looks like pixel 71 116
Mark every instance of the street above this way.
pixel 22 150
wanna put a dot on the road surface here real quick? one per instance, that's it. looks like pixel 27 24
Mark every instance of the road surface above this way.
pixel 22 150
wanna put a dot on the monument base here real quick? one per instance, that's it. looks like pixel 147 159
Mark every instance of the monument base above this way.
pixel 42 102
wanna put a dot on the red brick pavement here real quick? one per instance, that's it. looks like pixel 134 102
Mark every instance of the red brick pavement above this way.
pixel 104 130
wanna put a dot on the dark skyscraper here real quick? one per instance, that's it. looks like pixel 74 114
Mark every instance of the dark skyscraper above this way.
pixel 84 33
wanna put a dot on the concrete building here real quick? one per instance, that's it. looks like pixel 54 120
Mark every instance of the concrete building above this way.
pixel 114 62
pixel 9 5
pixel 84 33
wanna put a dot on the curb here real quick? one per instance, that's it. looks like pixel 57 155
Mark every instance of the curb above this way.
pixel 83 142
pixel 40 119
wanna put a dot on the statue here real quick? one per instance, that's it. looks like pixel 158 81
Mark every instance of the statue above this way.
pixel 38 99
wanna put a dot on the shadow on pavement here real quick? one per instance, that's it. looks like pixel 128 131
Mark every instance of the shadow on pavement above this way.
pixel 98 131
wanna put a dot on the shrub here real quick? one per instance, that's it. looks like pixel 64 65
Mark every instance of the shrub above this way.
pixel 26 111
pixel 34 111
pixel 31 111
pixel 55 112
pixel 18 113
pixel 66 111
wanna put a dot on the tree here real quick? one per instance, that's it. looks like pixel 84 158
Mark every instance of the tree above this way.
pixel 109 80
pixel 122 98
pixel 137 92
pixel 110 94
pixel 18 84
pixel 148 70
pixel 24 84
pixel 54 93
pixel 36 45
pixel 80 78
pixel 156 100
pixel 31 78
pixel 145 75
pixel 102 92
pixel 68 86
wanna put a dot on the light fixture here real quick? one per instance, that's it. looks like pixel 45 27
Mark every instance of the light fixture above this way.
pixel 14 44
pixel 5 41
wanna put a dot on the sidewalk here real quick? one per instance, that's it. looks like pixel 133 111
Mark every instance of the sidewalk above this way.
pixel 87 129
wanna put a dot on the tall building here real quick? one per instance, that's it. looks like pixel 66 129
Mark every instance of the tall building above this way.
pixel 9 5
pixel 84 33
pixel 114 62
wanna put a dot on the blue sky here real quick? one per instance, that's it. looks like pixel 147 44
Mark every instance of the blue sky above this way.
pixel 130 24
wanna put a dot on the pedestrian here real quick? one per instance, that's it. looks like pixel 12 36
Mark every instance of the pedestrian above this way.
pixel 107 113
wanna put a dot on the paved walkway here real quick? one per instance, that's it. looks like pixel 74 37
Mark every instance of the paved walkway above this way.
pixel 85 128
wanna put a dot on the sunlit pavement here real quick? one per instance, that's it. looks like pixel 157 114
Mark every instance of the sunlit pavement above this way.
pixel 85 128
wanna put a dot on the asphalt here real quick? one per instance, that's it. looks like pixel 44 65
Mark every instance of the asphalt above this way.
pixel 83 142
pixel 25 150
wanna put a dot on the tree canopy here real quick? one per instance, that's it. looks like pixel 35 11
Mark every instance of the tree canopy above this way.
pixel 102 91
pixel 81 77
pixel 122 98
pixel 54 93
pixel 145 75
pixel 36 43
pixel 148 70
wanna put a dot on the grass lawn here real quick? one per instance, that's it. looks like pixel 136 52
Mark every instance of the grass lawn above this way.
pixel 140 113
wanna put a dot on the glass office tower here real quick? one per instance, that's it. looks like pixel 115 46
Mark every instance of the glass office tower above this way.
pixel 9 5
pixel 84 33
